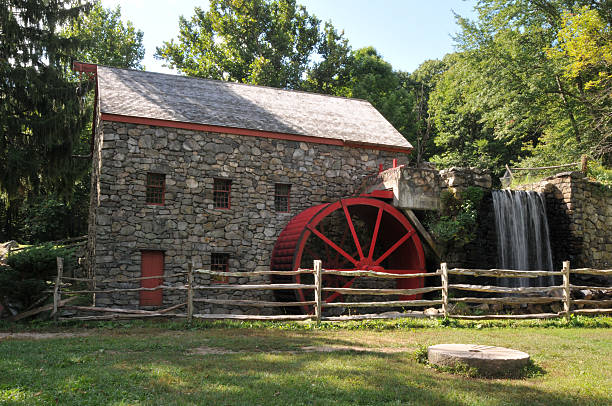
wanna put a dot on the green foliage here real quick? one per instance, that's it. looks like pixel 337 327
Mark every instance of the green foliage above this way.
pixel 600 173
pixel 331 75
pixel 373 79
pixel 458 221
pixel 584 51
pixel 43 109
pixel 265 42
pixel 45 220
pixel 29 273
pixel 528 86
pixel 105 38
pixel 421 354
pixel 45 115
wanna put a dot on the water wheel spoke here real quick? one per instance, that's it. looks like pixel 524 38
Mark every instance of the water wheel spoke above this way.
pixel 375 233
pixel 352 228
pixel 336 261
pixel 332 244
pixel 327 250
pixel 337 295
pixel 394 247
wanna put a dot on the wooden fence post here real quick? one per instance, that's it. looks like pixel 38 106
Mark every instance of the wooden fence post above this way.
pixel 444 277
pixel 56 290
pixel 584 164
pixel 190 292
pixel 318 280
pixel 566 289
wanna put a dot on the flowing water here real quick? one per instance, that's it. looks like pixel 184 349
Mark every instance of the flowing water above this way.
pixel 522 235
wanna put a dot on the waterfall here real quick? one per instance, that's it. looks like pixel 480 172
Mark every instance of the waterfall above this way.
pixel 522 235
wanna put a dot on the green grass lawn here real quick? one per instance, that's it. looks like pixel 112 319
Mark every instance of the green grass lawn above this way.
pixel 266 364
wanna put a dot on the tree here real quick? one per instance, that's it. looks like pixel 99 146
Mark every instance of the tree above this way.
pixel 266 42
pixel 461 136
pixel 506 94
pixel 421 83
pixel 42 111
pixel 331 75
pixel 585 52
pixel 373 79
pixel 105 39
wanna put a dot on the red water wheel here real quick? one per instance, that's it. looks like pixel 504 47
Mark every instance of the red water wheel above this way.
pixel 358 233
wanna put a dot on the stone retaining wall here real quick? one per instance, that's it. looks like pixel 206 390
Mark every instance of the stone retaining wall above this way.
pixel 580 219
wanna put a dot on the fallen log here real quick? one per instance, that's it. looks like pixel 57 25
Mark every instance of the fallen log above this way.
pixel 41 309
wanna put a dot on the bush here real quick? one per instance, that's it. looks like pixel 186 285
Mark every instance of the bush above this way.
pixel 30 272
pixel 458 222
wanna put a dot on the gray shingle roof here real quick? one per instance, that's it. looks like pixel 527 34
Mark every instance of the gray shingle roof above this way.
pixel 200 101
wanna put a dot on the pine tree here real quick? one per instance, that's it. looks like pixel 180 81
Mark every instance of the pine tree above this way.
pixel 41 106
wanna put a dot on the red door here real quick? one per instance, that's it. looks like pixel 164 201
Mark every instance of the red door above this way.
pixel 152 264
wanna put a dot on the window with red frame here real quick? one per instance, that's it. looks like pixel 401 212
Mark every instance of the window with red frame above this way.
pixel 281 197
pixel 221 193
pixel 156 188
pixel 219 263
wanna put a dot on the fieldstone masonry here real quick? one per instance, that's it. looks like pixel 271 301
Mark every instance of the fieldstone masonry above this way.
pixel 188 227
pixel 580 219
pixel 458 179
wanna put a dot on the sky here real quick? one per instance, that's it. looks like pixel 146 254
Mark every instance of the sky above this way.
pixel 404 32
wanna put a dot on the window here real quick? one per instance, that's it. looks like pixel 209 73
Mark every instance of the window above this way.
pixel 221 193
pixel 156 188
pixel 219 263
pixel 281 197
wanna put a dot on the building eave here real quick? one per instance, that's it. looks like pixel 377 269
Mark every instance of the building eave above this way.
pixel 249 132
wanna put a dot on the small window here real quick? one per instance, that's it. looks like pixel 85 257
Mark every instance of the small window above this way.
pixel 219 263
pixel 281 197
pixel 156 188
pixel 221 193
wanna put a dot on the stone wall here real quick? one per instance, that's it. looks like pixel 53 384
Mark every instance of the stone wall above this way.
pixel 188 227
pixel 413 188
pixel 580 219
pixel 458 179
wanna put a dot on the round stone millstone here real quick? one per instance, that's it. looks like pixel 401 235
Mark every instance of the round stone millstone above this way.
pixel 489 360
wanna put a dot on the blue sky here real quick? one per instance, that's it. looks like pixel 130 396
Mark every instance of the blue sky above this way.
pixel 405 32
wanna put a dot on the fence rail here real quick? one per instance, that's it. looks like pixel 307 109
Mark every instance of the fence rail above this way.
pixel 444 306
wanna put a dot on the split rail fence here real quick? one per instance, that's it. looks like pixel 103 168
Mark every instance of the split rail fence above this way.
pixel 513 296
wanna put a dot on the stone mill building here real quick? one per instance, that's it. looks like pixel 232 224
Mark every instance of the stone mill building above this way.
pixel 187 169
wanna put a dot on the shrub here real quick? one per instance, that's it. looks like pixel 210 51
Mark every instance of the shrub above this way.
pixel 30 272
pixel 458 222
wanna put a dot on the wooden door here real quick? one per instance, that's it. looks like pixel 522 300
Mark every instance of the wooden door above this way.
pixel 152 264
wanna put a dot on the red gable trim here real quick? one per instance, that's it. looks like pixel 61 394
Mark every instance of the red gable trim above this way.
pixel 84 67
pixel 243 131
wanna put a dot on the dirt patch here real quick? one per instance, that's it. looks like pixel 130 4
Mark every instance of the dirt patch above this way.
pixel 210 351
pixel 335 348
pixel 40 336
